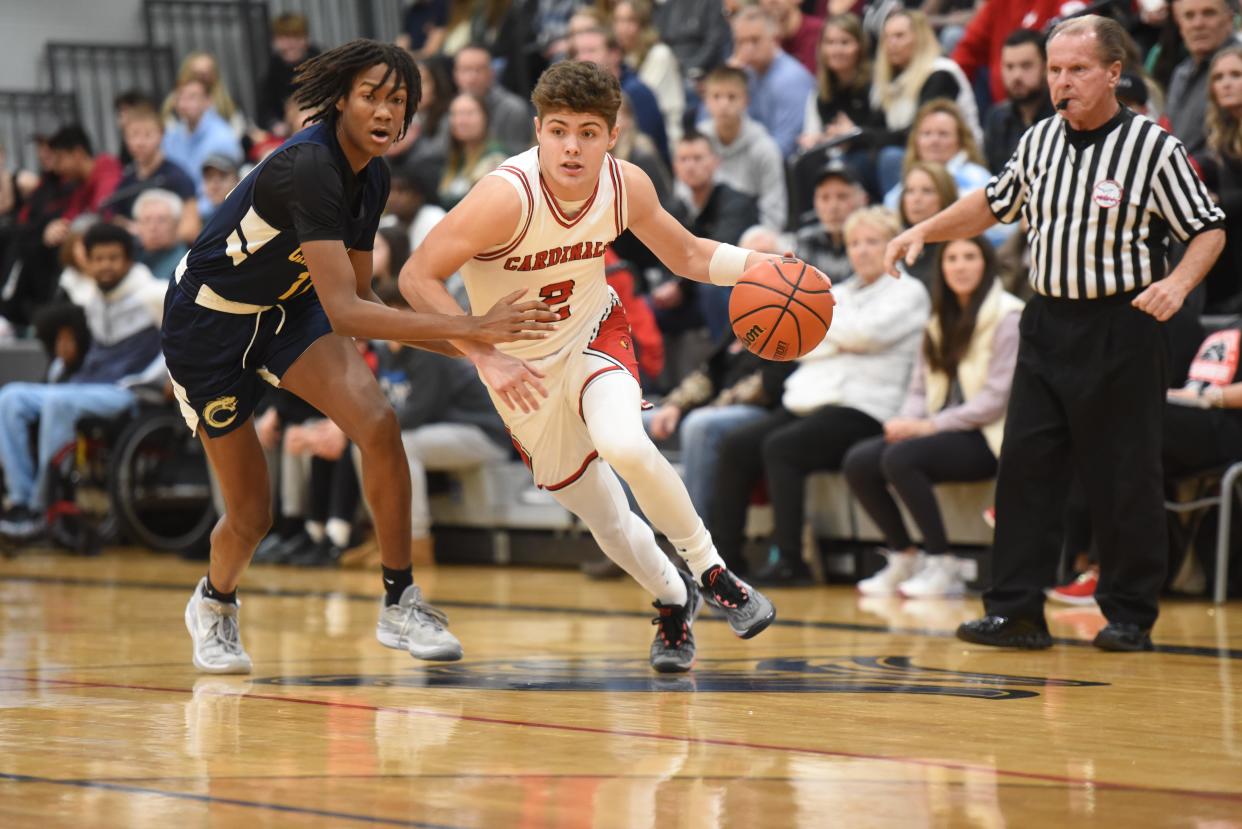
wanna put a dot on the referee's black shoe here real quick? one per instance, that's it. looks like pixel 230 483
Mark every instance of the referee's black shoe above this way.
pixel 1004 632
pixel 1120 636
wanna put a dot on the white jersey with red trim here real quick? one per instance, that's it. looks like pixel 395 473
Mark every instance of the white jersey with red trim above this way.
pixel 557 258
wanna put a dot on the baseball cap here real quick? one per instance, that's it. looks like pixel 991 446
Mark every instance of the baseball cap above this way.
pixel 1131 89
pixel 836 169
pixel 221 162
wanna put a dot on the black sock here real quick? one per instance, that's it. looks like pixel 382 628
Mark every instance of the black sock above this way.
pixel 395 582
pixel 211 592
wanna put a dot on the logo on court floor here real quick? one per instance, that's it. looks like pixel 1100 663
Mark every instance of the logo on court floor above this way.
pixel 822 675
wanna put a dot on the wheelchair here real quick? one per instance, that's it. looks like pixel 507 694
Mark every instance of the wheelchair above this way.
pixel 140 479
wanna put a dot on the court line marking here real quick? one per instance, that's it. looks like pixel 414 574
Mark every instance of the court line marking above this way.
pixel 227 801
pixel 675 738
pixel 854 627
pixel 732 778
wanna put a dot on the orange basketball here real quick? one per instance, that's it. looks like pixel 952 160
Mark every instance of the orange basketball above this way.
pixel 781 310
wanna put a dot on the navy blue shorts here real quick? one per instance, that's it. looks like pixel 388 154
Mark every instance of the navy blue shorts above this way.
pixel 220 361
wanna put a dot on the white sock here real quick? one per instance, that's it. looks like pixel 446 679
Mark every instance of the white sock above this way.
pixel 338 530
pixel 698 551
pixel 315 530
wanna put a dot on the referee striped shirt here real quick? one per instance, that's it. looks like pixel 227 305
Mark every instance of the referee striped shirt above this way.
pixel 1100 204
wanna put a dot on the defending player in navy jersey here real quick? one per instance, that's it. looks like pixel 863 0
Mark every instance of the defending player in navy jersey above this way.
pixel 272 291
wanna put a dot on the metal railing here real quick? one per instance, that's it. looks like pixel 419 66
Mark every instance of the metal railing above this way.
pixel 234 31
pixel 97 72
pixel 25 113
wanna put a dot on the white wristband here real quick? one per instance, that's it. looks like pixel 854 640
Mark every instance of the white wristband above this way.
pixel 727 265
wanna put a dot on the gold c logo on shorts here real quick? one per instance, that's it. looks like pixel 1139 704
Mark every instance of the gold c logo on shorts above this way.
pixel 220 412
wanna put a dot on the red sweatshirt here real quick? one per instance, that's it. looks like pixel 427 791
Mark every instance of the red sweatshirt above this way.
pixel 986 33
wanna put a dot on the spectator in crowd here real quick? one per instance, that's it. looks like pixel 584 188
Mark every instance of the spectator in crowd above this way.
pixel 510 118
pixel 696 31
pixel 123 107
pixel 474 21
pixel 949 428
pixel 821 242
pixel 157 214
pixel 909 72
pixel 600 46
pixel 711 209
pixel 644 330
pixel 1203 421
pixel 750 160
pixel 60 327
pixel 983 43
pixel 30 265
pixel 841 103
pixel 1023 65
pixel 290 46
pixel 198 132
pixel 779 84
pixel 448 422
pixel 732 388
pixel 840 394
pixel 1220 161
pixel 550 24
pixel 940 135
pixel 927 189
pixel 472 154
pixel 412 206
pixel 204 67
pixel 1205 26
pixel 799 32
pixel 75 281
pixel 637 148
pixel 220 176
pixel 123 314
pixel 392 248
pixel 150 169
pixel 93 178
pixel 424 147
pixel 423 27
pixel 654 61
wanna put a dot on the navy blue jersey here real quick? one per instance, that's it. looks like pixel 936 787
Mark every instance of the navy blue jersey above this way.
pixel 250 251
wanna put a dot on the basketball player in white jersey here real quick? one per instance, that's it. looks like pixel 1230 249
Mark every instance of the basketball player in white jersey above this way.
pixel 541 222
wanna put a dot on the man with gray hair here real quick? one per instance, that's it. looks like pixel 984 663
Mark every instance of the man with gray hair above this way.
pixel 1205 26
pixel 1100 188
pixel 779 84
pixel 156 215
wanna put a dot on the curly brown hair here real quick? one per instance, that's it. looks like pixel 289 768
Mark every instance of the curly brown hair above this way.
pixel 577 86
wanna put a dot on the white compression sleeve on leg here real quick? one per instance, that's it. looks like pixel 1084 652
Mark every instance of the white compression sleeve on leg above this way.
pixel 597 498
pixel 727 264
pixel 613 417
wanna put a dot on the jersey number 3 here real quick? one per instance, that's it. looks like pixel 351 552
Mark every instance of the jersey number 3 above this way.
pixel 558 294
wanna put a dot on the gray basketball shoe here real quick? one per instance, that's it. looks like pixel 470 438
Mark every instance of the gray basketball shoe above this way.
pixel 672 649
pixel 415 626
pixel 747 610
pixel 214 630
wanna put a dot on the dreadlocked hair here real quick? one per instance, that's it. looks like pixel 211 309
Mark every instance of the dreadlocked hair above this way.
pixel 325 79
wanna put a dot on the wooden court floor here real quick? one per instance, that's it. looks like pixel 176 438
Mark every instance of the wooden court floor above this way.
pixel 844 713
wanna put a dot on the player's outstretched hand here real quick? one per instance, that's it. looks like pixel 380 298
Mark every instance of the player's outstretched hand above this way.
pixel 907 246
pixel 515 380
pixel 510 320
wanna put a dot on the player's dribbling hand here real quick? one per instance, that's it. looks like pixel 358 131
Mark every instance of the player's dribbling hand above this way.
pixel 510 320
pixel 907 246
pixel 1161 299
pixel 515 380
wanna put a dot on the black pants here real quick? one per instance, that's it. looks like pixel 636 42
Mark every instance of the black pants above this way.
pixel 1196 440
pixel 789 448
pixel 334 488
pixel 911 467
pixel 1088 397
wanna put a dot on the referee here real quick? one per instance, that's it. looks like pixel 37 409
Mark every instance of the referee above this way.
pixel 1100 189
